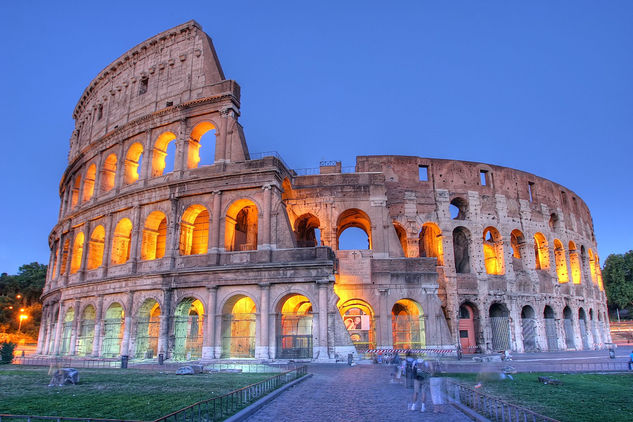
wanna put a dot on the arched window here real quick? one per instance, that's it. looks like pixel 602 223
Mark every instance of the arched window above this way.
pixel 430 242
pixel 541 252
pixel 402 237
pixel 307 231
pixel 89 183
pixel 561 262
pixel 133 161
pixel 574 263
pixel 74 201
pixel 357 219
pixel 108 173
pixel 517 241
pixel 458 208
pixel 78 250
pixel 592 267
pixel 160 154
pixel 154 236
pixel 95 248
pixel 493 251
pixel 194 231
pixel 122 242
pixel 461 240
pixel 65 251
pixel 197 154
pixel 241 226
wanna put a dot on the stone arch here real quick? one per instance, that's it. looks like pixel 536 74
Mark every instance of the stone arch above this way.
pixel 307 231
pixel 159 153
pixel 154 236
pixel 468 327
pixel 500 326
pixel 122 241
pixel 108 173
pixel 569 328
pixel 86 331
pixel 430 242
pixel 551 332
pixel 402 237
pixel 518 244
pixel 554 222
pixel 592 267
pixel 74 199
pixel 574 263
pixel 78 252
pixel 461 253
pixel 96 246
pixel 353 218
pixel 561 262
pixel 194 147
pixel 241 226
pixel 408 325
pixel 194 230
pixel 67 331
pixel 113 326
pixel 147 329
pixel 133 162
pixel 493 251
pixel 358 316
pixel 458 208
pixel 582 323
pixel 64 260
pixel 188 329
pixel 239 324
pixel 89 182
pixel 541 252
pixel 294 327
pixel 528 328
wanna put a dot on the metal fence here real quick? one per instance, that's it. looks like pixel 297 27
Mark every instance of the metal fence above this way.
pixel 25 418
pixel 67 362
pixel 218 408
pixel 491 407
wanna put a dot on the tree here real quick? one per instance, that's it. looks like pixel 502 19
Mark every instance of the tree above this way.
pixel 22 291
pixel 618 279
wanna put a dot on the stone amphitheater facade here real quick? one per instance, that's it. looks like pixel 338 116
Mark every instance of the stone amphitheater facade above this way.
pixel 174 240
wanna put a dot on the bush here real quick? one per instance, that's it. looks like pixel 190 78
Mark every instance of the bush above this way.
pixel 6 352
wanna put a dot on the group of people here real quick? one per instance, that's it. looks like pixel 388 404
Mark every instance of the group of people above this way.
pixel 420 373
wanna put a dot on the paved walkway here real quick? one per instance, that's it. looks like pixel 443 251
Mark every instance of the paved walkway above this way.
pixel 349 394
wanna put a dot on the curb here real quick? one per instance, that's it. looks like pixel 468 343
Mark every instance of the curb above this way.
pixel 249 410
pixel 469 412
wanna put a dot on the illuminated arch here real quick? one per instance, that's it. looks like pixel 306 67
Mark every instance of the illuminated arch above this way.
pixel 67 329
pixel 517 241
pixel 154 236
pixel 89 182
pixel 193 150
pixel 159 154
pixel 132 165
pixel 121 243
pixel 430 242
pixel 561 262
pixel 307 231
pixel 353 217
pixel 240 233
pixel 113 326
pixel 592 267
pixel 238 327
pixel 294 327
pixel 65 251
pixel 96 246
pixel 74 200
pixel 541 252
pixel 188 329
pixel 108 173
pixel 402 237
pixel 493 251
pixel 194 231
pixel 574 263
pixel 86 331
pixel 407 325
pixel 358 317
pixel 77 254
pixel 147 329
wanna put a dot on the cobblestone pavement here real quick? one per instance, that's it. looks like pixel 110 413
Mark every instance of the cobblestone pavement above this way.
pixel 350 394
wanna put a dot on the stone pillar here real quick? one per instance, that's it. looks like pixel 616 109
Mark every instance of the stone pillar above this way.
pixel 58 329
pixel 208 341
pixel 321 347
pixel 128 321
pixel 135 247
pixel 265 242
pixel 84 256
pixel 146 164
pixel 120 169
pixel 180 163
pixel 97 188
pixel 107 244
pixel 384 340
pixel 172 234
pixel 165 312
pixel 74 333
pixel 47 331
pixel 96 343
pixel 58 258
pixel 262 350
pixel 214 240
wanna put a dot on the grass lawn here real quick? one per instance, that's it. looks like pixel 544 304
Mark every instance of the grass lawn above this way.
pixel 112 393
pixel 581 397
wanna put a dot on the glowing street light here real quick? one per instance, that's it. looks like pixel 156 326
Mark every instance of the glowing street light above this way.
pixel 22 317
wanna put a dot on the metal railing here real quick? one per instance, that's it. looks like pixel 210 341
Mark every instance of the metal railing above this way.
pixel 26 418
pixel 218 408
pixel 260 155
pixel 491 407
pixel 67 362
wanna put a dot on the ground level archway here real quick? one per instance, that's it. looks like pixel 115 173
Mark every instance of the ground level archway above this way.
pixel 294 328
pixel 147 330
pixel 358 317
pixel 238 328
pixel 188 329
pixel 407 325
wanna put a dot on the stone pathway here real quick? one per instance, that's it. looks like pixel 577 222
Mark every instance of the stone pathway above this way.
pixel 338 392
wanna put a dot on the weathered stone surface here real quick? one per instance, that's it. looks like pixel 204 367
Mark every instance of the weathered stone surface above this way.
pixel 64 376
pixel 189 370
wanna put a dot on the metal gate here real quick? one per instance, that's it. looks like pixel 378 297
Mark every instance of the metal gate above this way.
pixel 408 332
pixel 550 332
pixel 583 334
pixel 146 338
pixel 238 335
pixel 86 337
pixel 596 340
pixel 66 334
pixel 569 334
pixel 500 333
pixel 113 332
pixel 529 333
pixel 294 340
pixel 187 337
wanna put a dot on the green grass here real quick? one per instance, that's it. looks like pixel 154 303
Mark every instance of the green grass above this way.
pixel 112 393
pixel 581 397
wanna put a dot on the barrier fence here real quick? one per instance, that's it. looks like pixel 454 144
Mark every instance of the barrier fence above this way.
pixel 491 407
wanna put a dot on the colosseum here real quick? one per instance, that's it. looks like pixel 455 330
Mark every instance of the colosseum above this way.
pixel 173 240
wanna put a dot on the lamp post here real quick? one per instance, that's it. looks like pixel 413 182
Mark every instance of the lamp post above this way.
pixel 21 317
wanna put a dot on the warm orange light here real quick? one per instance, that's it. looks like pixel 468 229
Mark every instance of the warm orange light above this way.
pixel 23 317
pixel 18 296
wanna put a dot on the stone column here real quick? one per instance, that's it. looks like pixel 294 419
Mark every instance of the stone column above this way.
pixel 265 242
pixel 165 312
pixel 96 343
pixel 48 330
pixel 107 244
pixel 384 340
pixel 97 188
pixel 172 234
pixel 58 328
pixel 84 256
pixel 135 247
pixel 208 341
pixel 74 333
pixel 120 169
pixel 128 321
pixel 181 148
pixel 262 351
pixel 58 258
pixel 146 164
pixel 321 347
pixel 214 241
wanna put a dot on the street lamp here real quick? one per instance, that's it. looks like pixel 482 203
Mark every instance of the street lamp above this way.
pixel 22 317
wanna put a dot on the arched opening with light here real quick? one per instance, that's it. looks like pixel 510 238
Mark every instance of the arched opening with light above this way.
pixel 294 328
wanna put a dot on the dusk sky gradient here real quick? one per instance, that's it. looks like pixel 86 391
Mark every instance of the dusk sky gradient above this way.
pixel 541 86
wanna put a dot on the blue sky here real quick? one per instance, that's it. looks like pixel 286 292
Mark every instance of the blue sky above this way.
pixel 542 86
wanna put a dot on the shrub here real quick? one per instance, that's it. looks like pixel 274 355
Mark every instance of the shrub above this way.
pixel 6 352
